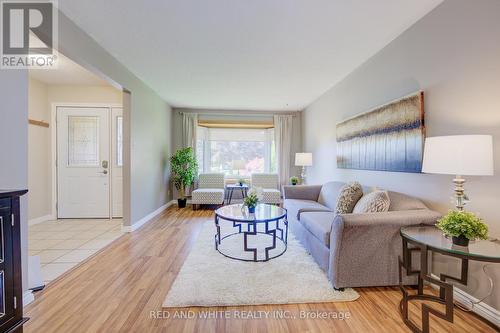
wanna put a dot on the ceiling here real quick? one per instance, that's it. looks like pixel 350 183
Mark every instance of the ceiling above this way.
pixel 244 54
pixel 67 73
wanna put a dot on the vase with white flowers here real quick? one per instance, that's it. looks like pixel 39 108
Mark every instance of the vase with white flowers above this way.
pixel 252 199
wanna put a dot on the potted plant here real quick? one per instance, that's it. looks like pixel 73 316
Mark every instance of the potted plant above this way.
pixel 462 226
pixel 294 180
pixel 252 199
pixel 184 168
pixel 241 181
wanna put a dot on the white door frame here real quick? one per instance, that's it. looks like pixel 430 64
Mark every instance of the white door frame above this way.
pixel 53 145
pixel 116 170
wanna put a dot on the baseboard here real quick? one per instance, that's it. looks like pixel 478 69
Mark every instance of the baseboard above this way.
pixel 28 297
pixel 147 218
pixel 481 309
pixel 41 219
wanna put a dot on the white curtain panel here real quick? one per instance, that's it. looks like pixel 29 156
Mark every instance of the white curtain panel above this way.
pixel 283 141
pixel 189 128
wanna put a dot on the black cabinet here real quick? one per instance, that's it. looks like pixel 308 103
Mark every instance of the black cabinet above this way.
pixel 11 290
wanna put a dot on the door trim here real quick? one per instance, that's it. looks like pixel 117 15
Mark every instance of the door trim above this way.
pixel 53 145
pixel 112 160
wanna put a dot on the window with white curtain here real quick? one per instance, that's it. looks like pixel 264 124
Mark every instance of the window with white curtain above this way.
pixel 217 149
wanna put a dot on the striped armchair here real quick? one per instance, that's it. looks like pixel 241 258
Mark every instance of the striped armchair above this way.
pixel 210 190
pixel 269 182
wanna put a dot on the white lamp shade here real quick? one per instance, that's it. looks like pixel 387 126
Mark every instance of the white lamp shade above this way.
pixel 464 155
pixel 303 159
pixel 239 165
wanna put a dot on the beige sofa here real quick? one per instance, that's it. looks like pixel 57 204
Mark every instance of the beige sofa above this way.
pixel 355 250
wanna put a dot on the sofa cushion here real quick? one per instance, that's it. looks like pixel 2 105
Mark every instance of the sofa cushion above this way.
pixel 329 193
pixel 400 201
pixel 294 205
pixel 319 224
pixel 348 197
pixel 374 202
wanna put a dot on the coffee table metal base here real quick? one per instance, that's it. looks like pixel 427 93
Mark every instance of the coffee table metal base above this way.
pixel 276 230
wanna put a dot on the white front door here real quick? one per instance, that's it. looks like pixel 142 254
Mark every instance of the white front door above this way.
pixel 83 150
pixel 117 161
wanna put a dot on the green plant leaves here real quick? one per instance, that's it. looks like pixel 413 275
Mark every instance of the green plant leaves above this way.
pixel 184 169
pixel 253 197
pixel 461 223
pixel 251 200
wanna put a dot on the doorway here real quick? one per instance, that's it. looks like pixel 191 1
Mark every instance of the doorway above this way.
pixel 69 205
pixel 89 163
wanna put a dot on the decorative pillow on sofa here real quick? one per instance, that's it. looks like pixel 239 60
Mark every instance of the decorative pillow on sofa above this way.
pixel 374 202
pixel 348 197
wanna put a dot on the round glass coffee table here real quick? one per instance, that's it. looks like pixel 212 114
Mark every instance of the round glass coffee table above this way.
pixel 259 236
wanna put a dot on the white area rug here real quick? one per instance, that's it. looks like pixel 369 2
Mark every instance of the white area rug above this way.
pixel 207 278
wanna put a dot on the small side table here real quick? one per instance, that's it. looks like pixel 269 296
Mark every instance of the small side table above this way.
pixel 425 239
pixel 232 187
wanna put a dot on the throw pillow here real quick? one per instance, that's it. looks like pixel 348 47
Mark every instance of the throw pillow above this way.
pixel 374 202
pixel 348 197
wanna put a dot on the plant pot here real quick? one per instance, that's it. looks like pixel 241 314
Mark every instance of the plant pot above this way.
pixel 181 203
pixel 460 240
pixel 251 210
pixel 294 184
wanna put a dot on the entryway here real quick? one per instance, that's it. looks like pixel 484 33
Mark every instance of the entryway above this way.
pixel 63 244
pixel 75 168
pixel 89 162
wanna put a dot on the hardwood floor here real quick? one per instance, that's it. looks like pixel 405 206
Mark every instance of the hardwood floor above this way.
pixel 122 287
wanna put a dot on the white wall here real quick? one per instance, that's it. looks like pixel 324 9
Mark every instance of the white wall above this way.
pixel 453 54
pixel 83 94
pixel 39 153
pixel 41 99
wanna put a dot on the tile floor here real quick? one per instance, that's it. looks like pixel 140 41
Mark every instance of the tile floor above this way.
pixel 62 244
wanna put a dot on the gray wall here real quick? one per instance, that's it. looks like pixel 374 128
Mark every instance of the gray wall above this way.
pixel 150 126
pixel 150 122
pixel 453 54
pixel 14 143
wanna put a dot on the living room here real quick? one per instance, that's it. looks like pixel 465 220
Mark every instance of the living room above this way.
pixel 299 167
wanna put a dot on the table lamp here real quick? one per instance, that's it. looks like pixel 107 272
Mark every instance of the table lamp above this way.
pixel 239 165
pixel 303 160
pixel 459 155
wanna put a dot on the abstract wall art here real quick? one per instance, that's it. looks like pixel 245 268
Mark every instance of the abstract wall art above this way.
pixel 388 138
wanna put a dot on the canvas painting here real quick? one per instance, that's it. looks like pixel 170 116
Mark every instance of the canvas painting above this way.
pixel 388 138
